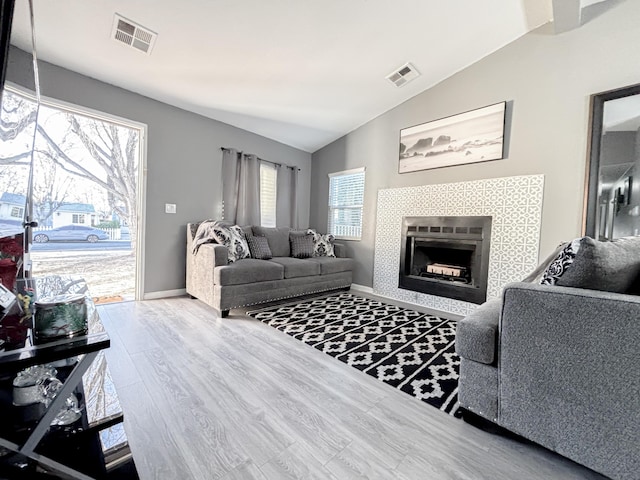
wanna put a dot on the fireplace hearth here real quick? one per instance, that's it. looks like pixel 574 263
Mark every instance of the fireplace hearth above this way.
pixel 446 256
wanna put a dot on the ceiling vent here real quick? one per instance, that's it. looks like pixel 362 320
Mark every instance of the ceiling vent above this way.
pixel 132 34
pixel 403 75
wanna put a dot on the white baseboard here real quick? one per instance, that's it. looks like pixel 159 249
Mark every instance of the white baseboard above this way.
pixel 164 294
pixel 361 288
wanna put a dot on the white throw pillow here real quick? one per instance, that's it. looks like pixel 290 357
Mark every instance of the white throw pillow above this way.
pixel 233 238
pixel 322 244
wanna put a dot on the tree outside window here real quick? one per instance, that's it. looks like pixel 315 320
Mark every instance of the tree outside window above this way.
pixel 78 159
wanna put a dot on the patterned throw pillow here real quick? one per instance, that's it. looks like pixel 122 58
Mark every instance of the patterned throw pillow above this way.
pixel 301 244
pixel 259 247
pixel 561 263
pixel 322 244
pixel 233 238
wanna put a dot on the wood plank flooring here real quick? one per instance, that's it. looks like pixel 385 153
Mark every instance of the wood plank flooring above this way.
pixel 212 398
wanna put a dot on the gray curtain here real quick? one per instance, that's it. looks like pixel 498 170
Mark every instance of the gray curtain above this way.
pixel 287 197
pixel 230 183
pixel 240 188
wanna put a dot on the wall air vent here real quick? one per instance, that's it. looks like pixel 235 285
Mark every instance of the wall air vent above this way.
pixel 403 75
pixel 132 34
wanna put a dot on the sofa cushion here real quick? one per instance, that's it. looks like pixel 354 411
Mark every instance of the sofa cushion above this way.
pixel 477 333
pixel 297 267
pixel 329 265
pixel 259 247
pixel 248 270
pixel 301 244
pixel 608 266
pixel 340 249
pixel 278 239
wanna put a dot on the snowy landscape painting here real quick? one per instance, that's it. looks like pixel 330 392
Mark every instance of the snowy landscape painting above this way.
pixel 475 136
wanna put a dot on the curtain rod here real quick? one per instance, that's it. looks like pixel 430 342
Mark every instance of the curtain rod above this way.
pixel 263 160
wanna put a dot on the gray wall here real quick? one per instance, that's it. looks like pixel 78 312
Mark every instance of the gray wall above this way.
pixel 547 80
pixel 183 160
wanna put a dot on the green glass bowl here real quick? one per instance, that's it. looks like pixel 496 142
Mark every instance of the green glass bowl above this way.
pixel 60 316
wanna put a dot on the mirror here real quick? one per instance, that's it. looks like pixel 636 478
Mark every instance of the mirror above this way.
pixel 613 178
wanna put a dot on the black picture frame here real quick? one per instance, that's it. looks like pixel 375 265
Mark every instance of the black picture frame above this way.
pixel 596 127
pixel 458 139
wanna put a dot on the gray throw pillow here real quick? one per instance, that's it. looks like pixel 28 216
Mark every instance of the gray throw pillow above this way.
pixel 609 266
pixel 301 244
pixel 259 247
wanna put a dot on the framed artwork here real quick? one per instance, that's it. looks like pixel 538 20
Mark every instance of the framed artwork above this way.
pixel 470 137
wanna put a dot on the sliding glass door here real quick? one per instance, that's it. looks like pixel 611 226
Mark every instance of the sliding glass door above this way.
pixel 84 194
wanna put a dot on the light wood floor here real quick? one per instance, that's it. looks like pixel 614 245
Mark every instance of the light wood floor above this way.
pixel 209 398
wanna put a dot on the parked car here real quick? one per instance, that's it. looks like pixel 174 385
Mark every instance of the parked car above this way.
pixel 70 233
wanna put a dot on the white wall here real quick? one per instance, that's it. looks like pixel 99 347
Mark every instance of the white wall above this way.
pixel 546 79
pixel 183 160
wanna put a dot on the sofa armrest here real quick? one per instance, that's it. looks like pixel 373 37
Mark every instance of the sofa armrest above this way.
pixel 340 249
pixel 212 255
pixel 569 373
pixel 477 333
pixel 200 267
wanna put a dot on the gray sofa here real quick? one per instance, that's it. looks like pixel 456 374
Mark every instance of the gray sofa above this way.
pixel 559 365
pixel 224 286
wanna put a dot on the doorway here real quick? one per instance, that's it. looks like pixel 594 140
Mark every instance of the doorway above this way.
pixel 87 193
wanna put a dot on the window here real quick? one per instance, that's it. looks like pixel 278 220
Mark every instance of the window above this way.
pixel 268 184
pixel 346 197
pixel 17 212
pixel 77 218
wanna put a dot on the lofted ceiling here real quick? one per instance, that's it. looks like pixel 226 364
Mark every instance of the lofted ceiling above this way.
pixel 302 72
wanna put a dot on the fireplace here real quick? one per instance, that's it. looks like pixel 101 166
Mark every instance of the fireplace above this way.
pixel 446 256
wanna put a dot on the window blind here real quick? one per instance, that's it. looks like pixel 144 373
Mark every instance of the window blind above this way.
pixel 346 198
pixel 268 183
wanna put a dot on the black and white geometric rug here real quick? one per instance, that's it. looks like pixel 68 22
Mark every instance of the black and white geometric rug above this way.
pixel 408 350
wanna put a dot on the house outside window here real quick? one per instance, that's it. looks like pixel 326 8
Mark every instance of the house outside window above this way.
pixel 346 199
pixel 17 212
pixel 77 218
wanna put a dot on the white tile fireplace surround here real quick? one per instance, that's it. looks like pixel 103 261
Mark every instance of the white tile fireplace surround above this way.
pixel 515 203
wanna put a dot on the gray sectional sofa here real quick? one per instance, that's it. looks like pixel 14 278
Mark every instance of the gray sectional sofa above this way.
pixel 559 364
pixel 224 286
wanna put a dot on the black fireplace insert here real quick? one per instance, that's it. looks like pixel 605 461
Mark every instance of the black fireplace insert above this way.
pixel 446 256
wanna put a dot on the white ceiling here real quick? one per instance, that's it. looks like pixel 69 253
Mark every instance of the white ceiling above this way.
pixel 302 72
